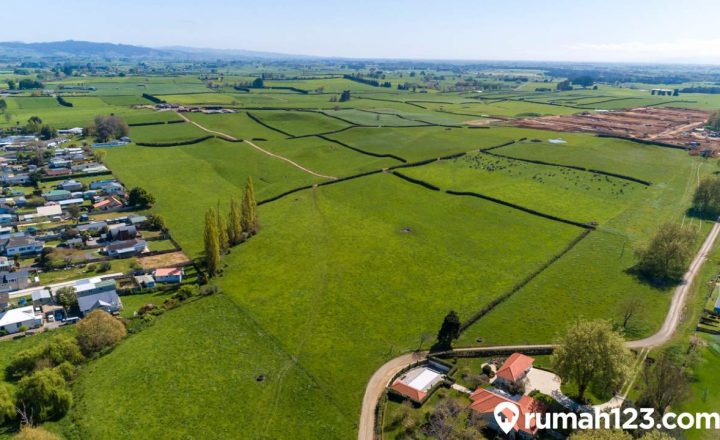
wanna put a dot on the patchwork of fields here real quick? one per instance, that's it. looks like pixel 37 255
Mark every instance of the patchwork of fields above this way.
pixel 348 273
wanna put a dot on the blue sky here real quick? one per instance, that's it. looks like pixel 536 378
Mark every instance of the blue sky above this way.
pixel 575 30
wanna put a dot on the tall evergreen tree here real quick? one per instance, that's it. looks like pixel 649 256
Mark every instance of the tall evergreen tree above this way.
pixel 223 238
pixel 212 243
pixel 249 209
pixel 234 226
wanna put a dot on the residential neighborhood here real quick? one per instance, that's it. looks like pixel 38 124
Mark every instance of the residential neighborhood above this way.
pixel 65 224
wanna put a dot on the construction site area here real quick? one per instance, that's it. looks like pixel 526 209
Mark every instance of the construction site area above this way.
pixel 684 128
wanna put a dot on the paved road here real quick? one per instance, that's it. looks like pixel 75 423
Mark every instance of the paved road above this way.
pixel 55 286
pixel 381 378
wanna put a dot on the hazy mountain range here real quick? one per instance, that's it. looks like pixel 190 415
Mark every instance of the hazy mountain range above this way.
pixel 13 50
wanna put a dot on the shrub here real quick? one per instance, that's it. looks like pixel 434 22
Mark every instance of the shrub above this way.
pixel 104 266
pixel 44 395
pixel 7 404
pixel 55 352
pixel 35 433
pixel 209 290
pixel 99 331
pixel 67 370
pixel 183 293
pixel 487 370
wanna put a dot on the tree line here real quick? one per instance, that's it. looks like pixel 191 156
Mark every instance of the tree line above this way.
pixel 221 234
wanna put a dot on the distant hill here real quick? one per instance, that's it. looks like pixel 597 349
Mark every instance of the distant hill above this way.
pixel 86 49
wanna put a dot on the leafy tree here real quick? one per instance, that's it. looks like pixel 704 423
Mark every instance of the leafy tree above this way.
pixel 27 84
pixel 212 243
pixel 706 200
pixel 28 432
pixel 629 308
pixel 74 212
pixel 157 222
pixel 105 128
pixel 234 227
pixel 3 105
pixel 98 331
pixel 583 81
pixel 450 330
pixel 223 238
pixel 563 86
pixel 67 297
pixel 44 395
pixel 7 404
pixel 591 352
pixel 666 257
pixel 714 121
pixel 47 132
pixel 657 435
pixel 33 124
pixel 140 197
pixel 12 85
pixel 249 209
pixel 664 383
pixel 258 83
pixel 344 96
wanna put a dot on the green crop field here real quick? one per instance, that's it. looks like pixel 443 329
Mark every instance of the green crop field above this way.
pixel 345 275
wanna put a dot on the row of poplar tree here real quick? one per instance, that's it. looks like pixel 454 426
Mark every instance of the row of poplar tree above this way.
pixel 221 234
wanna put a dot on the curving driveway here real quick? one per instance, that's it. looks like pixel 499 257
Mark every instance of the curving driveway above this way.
pixel 382 376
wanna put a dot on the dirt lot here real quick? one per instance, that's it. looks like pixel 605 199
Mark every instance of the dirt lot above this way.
pixel 164 260
pixel 681 127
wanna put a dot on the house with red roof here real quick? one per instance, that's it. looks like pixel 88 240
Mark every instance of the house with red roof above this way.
pixel 418 383
pixel 169 275
pixel 108 203
pixel 513 372
pixel 485 401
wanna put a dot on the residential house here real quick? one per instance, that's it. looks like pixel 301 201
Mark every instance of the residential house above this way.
pixel 137 220
pixel 169 275
pixel 121 232
pixel 99 184
pixel 486 399
pixel 5 262
pixel 12 281
pixel 126 248
pixel 56 195
pixel 59 163
pixel 20 246
pixel 55 172
pixel 6 219
pixel 92 226
pixel 41 297
pixel 15 179
pixel 49 210
pixel 145 281
pixel 71 202
pixel 12 320
pixel 113 188
pixel 513 372
pixel 71 185
pixel 108 204
pixel 96 294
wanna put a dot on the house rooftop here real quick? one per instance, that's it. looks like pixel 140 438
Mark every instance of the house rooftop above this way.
pixel 168 271
pixel 514 367
pixel 14 316
pixel 485 401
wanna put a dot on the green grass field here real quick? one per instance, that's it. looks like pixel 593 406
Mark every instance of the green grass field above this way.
pixel 345 276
